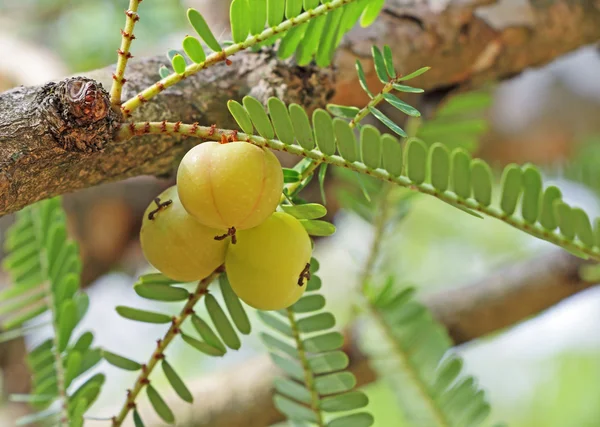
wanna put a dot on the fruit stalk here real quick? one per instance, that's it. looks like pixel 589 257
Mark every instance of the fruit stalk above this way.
pixel 158 354
pixel 126 38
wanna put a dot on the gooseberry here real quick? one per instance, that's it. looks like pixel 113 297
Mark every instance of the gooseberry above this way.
pixel 176 244
pixel 232 185
pixel 268 267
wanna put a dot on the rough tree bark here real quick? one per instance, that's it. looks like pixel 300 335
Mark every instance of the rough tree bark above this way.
pixel 242 396
pixel 461 41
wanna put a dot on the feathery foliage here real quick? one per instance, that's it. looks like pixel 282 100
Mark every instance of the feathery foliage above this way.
pixel 317 383
pixel 414 357
pixel 44 267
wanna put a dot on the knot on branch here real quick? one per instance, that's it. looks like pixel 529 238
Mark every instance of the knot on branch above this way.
pixel 78 114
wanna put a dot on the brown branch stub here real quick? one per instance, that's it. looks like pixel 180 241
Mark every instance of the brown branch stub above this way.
pixel 78 114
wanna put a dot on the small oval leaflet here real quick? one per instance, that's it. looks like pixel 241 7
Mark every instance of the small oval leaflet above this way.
pixel 461 173
pixel 294 410
pixel 566 222
pixel 318 227
pixel 273 343
pixel 335 383
pixel 203 30
pixel 234 306
pixel 176 382
pixel 276 323
pixel 324 135
pixel 161 292
pixel 308 303
pixel 222 323
pixel 316 322
pixel 547 214
pixel 193 49
pixel 67 322
pixel 259 117
pixel 258 16
pixel 532 194
pixel 292 389
pixel 142 315
pixel 202 346
pixel 207 334
pixel 370 143
pixel 439 166
pixel 511 188
pixel 360 419
pixel 159 405
pixel 241 116
pixel 238 17
pixel 387 121
pixel 342 111
pixel 416 160
pixel 289 366
pixel 328 362
pixel 345 402
pixel 392 155
pixel 401 105
pixel 306 211
pixel 178 63
pixel 583 227
pixel 120 361
pixel 345 139
pixel 481 176
pixel 302 128
pixel 281 120
pixel 275 12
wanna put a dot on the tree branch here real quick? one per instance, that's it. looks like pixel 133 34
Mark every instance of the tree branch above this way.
pixel 461 42
pixel 502 299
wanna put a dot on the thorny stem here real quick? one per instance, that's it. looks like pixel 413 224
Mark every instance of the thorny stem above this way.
pixel 126 38
pixel 216 57
pixel 158 354
pixel 129 130
pixel 309 378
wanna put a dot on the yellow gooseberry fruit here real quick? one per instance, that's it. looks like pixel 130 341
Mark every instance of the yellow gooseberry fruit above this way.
pixel 176 244
pixel 235 184
pixel 268 266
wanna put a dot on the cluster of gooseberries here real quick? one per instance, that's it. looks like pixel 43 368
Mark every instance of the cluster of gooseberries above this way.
pixel 222 211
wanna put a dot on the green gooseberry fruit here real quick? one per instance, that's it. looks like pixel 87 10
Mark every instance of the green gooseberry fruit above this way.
pixel 230 185
pixel 268 267
pixel 176 244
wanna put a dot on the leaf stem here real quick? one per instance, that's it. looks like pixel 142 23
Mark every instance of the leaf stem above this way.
pixel 124 55
pixel 309 378
pixel 129 130
pixel 216 57
pixel 158 354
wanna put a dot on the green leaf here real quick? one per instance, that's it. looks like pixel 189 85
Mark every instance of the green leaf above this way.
pixel 447 372
pixel 481 176
pixel 391 154
pixel 207 334
pixel 370 142
pixel 310 42
pixel 346 140
pixel 289 366
pixel 583 227
pixel 120 361
pixel 67 321
pixel 371 12
pixel 238 17
pixel 241 116
pixel 178 63
pixel 328 40
pixel 345 402
pixel 161 292
pixel 193 48
pixel 257 15
pixel 461 173
pixel 401 105
pixel 46 415
pixel 439 166
pixel 222 323
pixel 259 117
pixel 281 120
pixel 292 389
pixel 171 54
pixel 566 220
pixel 275 12
pixel 293 410
pixel 322 174
pixel 234 306
pixel 302 128
pixel 90 390
pixel 18 320
pixel 343 111
pixel 293 8
pixel 380 66
pixel 273 343
pixel 511 188
pixel 407 89
pixel 308 303
pixel 323 128
pixel 291 40
pixel 361 419
pixel 142 315
pixel 387 121
pixel 328 362
pixel 203 346
pixel 137 420
pixel 314 284
pixel 318 227
pixel 416 160
pixel 362 79
pixel 176 382
pixel 310 4
pixel 547 215
pixel 316 322
pixel 159 405
pixel 290 176
pixel 201 27
pixel 72 366
pixel 306 211
pixel 324 342
pixel 335 383
pixel 532 194
pixel 414 74
pixel 276 324
pixel 389 61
